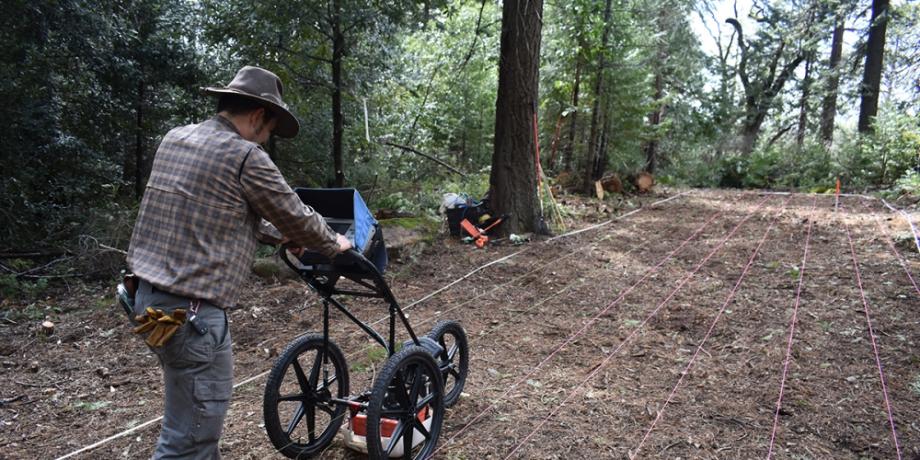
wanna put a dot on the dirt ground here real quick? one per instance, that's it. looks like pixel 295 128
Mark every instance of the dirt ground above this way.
pixel 581 347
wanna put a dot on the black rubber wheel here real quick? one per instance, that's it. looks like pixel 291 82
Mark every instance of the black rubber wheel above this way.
pixel 297 398
pixel 409 384
pixel 454 361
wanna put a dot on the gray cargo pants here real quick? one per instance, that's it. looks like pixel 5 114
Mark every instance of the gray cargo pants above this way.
pixel 197 377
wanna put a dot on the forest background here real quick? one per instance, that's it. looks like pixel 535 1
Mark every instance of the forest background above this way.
pixel 762 94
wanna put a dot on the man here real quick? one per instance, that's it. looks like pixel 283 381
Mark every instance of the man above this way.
pixel 196 233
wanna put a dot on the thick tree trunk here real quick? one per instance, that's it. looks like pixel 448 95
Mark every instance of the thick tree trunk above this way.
pixel 872 77
pixel 750 131
pixel 803 105
pixel 513 179
pixel 591 165
pixel 573 126
pixel 829 105
pixel 338 51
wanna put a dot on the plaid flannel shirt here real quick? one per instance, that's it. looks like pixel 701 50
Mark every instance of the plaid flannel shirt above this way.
pixel 202 213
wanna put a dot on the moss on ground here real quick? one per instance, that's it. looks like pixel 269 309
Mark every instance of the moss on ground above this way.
pixel 422 224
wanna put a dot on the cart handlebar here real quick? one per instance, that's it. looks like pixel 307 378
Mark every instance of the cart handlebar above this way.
pixel 348 257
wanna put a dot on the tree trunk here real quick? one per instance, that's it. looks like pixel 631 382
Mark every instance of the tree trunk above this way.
pixel 759 94
pixel 513 178
pixel 872 77
pixel 654 119
pixel 554 145
pixel 803 105
pixel 591 165
pixel 570 147
pixel 829 105
pixel 338 51
pixel 139 143
pixel 750 131
pixel 601 166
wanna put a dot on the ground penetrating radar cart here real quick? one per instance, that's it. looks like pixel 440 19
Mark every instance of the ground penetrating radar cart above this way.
pixel 307 396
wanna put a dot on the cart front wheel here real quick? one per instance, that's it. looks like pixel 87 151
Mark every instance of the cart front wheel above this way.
pixel 300 417
pixel 406 407
pixel 454 358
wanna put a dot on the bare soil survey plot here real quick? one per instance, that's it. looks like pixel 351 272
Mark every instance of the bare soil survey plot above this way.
pixel 670 333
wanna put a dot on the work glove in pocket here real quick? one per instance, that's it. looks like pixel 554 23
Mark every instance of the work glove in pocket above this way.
pixel 159 325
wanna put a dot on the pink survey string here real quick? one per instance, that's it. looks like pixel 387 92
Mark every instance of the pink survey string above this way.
pixel 648 273
pixel 635 331
pixel 894 250
pixel 878 361
pixel 728 301
pixel 795 314
pixel 910 222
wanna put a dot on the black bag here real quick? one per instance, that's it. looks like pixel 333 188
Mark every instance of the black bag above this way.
pixel 470 213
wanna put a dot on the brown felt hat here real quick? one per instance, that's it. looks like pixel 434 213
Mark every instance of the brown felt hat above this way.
pixel 265 87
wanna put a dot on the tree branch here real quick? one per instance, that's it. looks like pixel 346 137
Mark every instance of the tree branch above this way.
pixel 742 65
pixel 425 155
pixel 773 63
pixel 780 134
pixel 322 31
pixel 469 54
pixel 360 21
pixel 281 47
pixel 784 75
pixel 302 79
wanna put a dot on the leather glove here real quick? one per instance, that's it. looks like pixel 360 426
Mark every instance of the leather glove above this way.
pixel 161 326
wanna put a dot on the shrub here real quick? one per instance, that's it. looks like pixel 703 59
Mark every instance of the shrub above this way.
pixel 12 288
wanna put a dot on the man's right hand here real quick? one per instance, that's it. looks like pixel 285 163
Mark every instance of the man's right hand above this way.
pixel 344 243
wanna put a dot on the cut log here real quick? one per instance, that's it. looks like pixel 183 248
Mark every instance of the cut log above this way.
pixel 644 182
pixel 47 328
pixel 612 184
pixel 565 179
pixel 599 189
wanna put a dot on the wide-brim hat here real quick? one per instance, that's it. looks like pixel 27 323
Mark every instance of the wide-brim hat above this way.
pixel 264 87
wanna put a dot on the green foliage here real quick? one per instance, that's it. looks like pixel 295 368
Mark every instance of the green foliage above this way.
pixel 89 87
pixel 397 202
pixel 877 160
pixel 413 223
pixel 73 75
pixel 265 250
pixel 13 288
pixel 909 183
pixel 90 406
pixel 880 158
pixel 424 198
pixel 774 167
pixel 20 264
pixel 375 355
